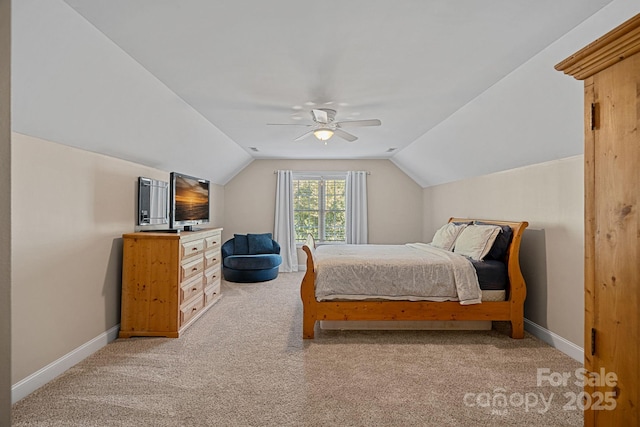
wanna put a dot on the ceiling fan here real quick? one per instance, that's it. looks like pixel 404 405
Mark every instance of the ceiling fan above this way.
pixel 324 126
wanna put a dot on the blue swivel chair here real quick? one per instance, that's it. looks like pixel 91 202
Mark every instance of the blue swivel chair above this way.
pixel 250 258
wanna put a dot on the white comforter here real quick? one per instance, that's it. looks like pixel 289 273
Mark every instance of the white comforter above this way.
pixel 415 271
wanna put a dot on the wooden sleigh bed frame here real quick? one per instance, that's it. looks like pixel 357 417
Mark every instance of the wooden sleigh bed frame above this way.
pixel 511 310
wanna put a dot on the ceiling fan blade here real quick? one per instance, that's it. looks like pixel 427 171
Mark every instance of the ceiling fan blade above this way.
pixel 304 135
pixel 320 116
pixel 354 123
pixel 345 135
pixel 287 124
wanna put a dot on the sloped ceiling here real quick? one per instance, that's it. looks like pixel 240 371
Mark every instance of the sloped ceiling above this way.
pixel 191 85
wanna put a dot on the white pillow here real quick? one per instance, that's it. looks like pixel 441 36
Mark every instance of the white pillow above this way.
pixel 475 241
pixel 446 236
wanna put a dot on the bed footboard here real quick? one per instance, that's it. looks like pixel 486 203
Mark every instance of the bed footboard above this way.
pixel 308 292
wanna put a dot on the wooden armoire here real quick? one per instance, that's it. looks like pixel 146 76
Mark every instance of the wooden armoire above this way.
pixel 610 68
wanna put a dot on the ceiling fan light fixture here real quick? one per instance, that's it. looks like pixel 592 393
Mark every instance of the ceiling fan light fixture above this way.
pixel 323 134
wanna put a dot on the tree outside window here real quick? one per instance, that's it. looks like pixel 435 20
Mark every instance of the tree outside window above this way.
pixel 319 208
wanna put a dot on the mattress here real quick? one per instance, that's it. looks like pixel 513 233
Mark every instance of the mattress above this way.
pixel 492 275
pixel 414 272
pixel 496 295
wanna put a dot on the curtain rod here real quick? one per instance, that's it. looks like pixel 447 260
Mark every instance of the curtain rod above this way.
pixel 321 172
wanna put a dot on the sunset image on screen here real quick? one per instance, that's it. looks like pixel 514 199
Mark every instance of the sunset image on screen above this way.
pixel 191 199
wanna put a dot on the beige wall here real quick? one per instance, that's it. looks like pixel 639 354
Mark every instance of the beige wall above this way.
pixel 216 206
pixel 5 212
pixel 70 209
pixel 550 197
pixel 394 200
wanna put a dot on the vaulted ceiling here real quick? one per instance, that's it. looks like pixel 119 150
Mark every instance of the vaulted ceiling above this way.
pixel 240 65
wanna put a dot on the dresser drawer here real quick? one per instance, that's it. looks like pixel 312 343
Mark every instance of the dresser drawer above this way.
pixel 212 258
pixel 191 288
pixel 212 241
pixel 191 248
pixel 212 276
pixel 190 310
pixel 191 268
pixel 211 294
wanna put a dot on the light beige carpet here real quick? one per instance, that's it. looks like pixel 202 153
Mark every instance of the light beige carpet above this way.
pixel 245 364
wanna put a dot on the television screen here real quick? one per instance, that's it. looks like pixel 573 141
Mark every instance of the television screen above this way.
pixel 189 201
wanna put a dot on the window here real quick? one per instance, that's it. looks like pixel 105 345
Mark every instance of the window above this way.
pixel 319 207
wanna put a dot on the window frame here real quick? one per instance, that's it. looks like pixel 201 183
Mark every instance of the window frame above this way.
pixel 322 177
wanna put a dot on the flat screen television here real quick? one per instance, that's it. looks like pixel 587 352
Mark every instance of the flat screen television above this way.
pixel 188 201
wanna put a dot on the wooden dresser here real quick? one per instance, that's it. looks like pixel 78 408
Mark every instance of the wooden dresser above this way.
pixel 168 280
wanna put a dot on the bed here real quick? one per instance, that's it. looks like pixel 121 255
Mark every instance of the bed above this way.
pixel 405 306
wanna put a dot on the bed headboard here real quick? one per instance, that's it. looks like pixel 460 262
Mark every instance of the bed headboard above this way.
pixel 516 226
pixel 516 281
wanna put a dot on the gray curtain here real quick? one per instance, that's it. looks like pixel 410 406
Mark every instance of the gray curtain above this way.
pixel 356 209
pixel 284 232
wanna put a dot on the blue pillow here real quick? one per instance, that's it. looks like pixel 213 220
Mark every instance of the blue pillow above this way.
pixel 260 243
pixel 499 249
pixel 240 244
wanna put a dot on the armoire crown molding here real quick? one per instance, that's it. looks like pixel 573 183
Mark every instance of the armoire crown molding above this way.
pixel 613 47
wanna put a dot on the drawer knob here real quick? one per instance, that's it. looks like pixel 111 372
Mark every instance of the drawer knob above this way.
pixel 194 308
pixel 194 289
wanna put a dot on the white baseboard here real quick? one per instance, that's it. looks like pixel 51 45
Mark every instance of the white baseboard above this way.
pixel 36 380
pixel 555 340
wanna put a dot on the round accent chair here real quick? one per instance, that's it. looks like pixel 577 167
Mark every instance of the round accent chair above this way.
pixel 248 258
